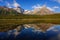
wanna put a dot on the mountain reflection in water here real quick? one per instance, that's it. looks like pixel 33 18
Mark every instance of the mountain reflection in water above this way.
pixel 52 33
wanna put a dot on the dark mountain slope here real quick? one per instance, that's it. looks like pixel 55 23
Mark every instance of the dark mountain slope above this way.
pixel 8 11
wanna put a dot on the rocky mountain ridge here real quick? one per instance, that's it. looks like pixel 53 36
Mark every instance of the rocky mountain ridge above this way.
pixel 40 11
pixel 10 11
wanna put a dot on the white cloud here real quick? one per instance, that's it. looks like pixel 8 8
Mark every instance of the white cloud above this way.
pixel 9 5
pixel 38 6
pixel 51 9
pixel 15 4
pixel 55 7
pixel 26 10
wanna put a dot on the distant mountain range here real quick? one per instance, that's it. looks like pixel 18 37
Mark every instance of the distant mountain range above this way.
pixel 40 11
pixel 37 11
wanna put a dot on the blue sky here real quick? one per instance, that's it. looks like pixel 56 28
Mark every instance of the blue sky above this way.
pixel 53 5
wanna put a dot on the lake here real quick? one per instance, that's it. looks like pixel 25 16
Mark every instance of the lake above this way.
pixel 52 33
